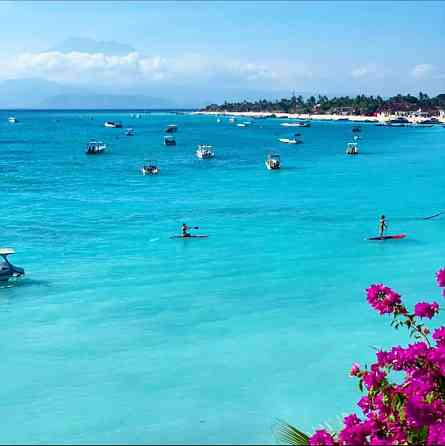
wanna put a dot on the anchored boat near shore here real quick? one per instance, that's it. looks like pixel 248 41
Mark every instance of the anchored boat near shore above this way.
pixel 113 124
pixel 150 168
pixel 169 141
pixel 205 152
pixel 7 270
pixel 273 161
pixel 352 148
pixel 95 148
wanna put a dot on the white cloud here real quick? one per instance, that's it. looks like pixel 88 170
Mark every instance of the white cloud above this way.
pixel 369 70
pixel 422 70
pixel 83 67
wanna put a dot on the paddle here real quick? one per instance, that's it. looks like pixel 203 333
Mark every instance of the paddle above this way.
pixel 433 216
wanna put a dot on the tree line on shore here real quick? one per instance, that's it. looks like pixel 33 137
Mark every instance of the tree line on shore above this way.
pixel 358 105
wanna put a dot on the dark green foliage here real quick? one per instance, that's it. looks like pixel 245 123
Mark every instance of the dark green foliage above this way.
pixel 360 105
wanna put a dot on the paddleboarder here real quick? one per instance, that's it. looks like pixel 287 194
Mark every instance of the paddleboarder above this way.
pixel 184 229
pixel 382 225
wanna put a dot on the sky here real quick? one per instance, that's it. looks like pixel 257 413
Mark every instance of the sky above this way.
pixel 214 48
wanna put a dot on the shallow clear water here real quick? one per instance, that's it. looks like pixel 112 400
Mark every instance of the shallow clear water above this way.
pixel 119 334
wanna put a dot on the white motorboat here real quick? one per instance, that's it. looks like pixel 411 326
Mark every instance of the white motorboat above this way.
pixel 273 161
pixel 7 270
pixel 296 124
pixel 129 132
pixel 150 168
pixel 172 128
pixel 290 141
pixel 95 148
pixel 205 152
pixel 231 119
pixel 352 148
pixel 169 140
pixel 113 124
pixel 291 124
pixel 13 119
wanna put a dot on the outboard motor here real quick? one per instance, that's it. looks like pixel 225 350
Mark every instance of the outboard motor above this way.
pixel 7 270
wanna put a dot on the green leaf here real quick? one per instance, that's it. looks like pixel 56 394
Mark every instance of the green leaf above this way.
pixel 287 434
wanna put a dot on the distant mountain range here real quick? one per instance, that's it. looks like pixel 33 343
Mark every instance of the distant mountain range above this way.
pixel 43 94
pixel 104 101
pixel 37 93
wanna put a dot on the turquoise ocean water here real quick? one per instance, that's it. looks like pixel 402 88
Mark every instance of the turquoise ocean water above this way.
pixel 119 334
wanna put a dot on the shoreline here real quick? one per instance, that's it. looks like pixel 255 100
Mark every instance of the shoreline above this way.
pixel 307 116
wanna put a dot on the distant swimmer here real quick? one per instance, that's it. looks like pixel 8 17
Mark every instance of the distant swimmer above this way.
pixel 382 225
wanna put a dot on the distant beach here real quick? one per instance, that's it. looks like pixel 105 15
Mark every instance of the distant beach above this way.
pixel 318 117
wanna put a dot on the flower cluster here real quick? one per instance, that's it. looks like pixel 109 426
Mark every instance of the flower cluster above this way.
pixel 410 411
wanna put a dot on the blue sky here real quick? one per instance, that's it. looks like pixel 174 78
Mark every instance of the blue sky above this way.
pixel 313 47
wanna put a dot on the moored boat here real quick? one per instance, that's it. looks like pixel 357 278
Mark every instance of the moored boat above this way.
pixel 205 151
pixel 113 124
pixel 296 124
pixel 290 140
pixel 169 141
pixel 150 168
pixel 13 119
pixel 172 128
pixel 273 161
pixel 95 148
pixel 7 270
pixel 129 132
pixel 352 148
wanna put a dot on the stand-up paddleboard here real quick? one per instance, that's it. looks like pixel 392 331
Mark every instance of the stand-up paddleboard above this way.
pixel 189 236
pixel 389 237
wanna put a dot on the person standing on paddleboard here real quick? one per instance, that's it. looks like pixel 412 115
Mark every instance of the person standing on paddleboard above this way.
pixel 184 229
pixel 382 225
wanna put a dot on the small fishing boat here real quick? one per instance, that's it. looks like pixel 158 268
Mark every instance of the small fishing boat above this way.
pixel 13 119
pixel 7 270
pixel 172 128
pixel 241 124
pixel 291 124
pixel 290 140
pixel 352 148
pixel 398 122
pixel 95 148
pixel 356 129
pixel 169 141
pixel 273 161
pixel 231 119
pixel 218 120
pixel 129 132
pixel 113 124
pixel 297 124
pixel 150 168
pixel 422 125
pixel 205 152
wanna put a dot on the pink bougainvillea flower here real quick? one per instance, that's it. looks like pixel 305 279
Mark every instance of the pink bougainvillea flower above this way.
pixel 424 309
pixel 439 336
pixel 355 369
pixel 440 276
pixel 384 299
pixel 322 438
pixel 436 434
